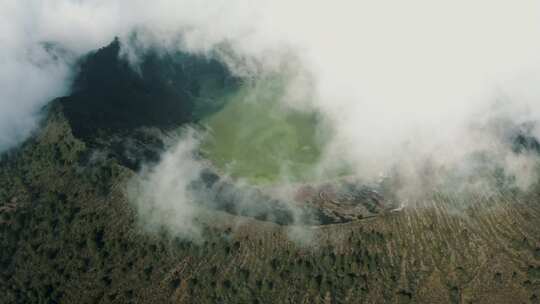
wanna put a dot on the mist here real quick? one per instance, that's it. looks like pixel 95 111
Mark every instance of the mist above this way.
pixel 400 85
pixel 161 193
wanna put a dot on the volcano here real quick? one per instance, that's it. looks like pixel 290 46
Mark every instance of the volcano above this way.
pixel 70 233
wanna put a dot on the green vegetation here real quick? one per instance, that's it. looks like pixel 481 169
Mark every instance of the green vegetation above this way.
pixel 69 235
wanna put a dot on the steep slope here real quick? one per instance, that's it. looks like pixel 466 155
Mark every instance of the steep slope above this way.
pixel 69 235
pixel 112 99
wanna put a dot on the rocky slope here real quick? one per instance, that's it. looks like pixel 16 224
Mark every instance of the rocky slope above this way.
pixel 69 234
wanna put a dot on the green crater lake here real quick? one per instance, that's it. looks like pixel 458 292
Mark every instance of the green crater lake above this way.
pixel 254 137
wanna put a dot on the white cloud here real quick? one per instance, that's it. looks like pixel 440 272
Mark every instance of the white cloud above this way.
pixel 387 74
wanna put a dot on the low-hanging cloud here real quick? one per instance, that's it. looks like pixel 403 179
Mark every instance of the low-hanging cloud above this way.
pixel 402 84
pixel 161 193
